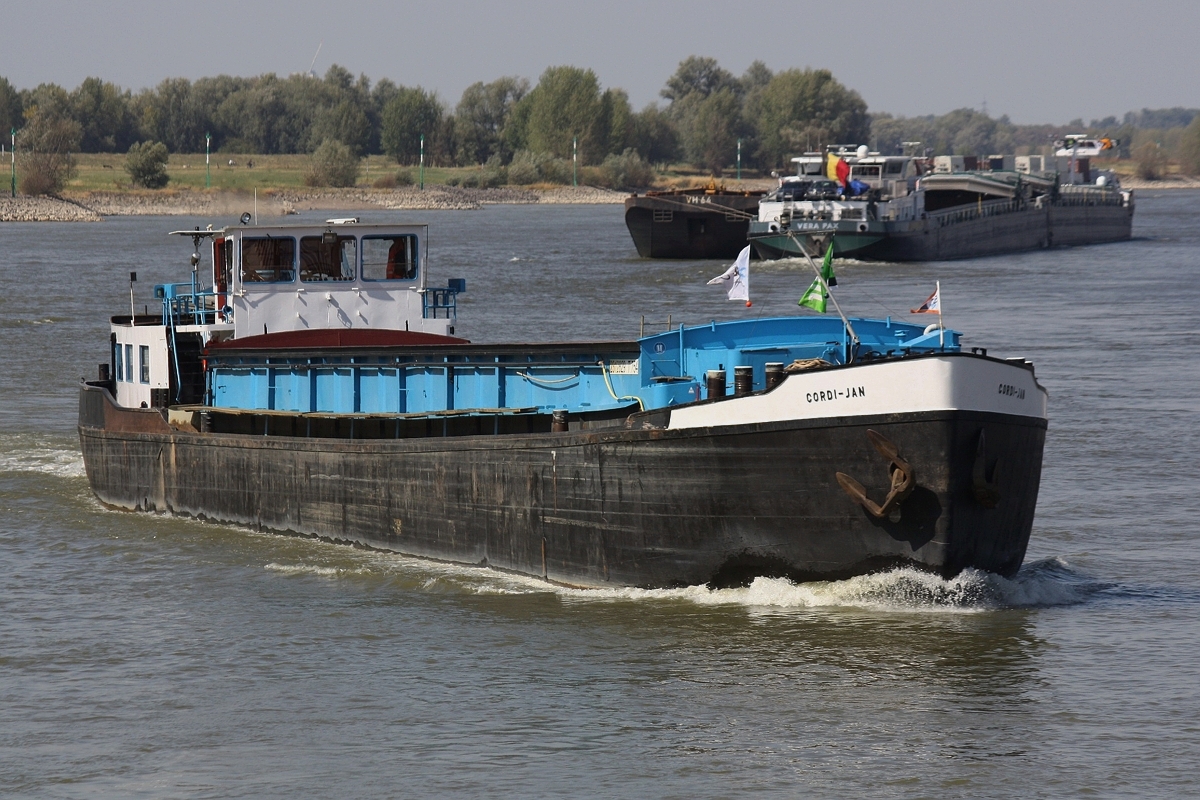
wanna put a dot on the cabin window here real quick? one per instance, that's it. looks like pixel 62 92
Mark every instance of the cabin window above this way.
pixel 894 167
pixel 268 260
pixel 144 363
pixel 129 363
pixel 389 258
pixel 118 363
pixel 333 261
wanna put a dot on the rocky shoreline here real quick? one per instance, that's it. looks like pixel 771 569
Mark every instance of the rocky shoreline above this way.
pixel 94 206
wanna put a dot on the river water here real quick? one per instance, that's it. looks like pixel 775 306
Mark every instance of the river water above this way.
pixel 148 656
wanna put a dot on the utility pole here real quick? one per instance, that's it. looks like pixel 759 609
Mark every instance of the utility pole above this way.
pixel 13 155
pixel 575 161
pixel 207 170
pixel 739 160
pixel 422 168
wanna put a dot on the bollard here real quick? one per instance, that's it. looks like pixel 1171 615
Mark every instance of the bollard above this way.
pixel 743 381
pixel 715 378
pixel 774 374
pixel 558 421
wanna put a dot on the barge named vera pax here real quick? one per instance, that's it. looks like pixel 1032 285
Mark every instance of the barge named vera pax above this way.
pixel 902 208
pixel 312 385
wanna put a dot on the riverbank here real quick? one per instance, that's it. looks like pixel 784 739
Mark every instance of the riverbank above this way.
pixel 94 206
pixel 44 209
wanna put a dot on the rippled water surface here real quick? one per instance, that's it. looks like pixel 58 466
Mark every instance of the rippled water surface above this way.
pixel 148 656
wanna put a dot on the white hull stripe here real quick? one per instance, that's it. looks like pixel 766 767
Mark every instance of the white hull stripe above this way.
pixel 944 383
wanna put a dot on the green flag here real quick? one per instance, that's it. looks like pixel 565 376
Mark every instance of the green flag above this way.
pixel 814 297
pixel 827 266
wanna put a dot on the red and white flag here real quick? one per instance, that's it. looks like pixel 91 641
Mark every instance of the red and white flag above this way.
pixel 932 304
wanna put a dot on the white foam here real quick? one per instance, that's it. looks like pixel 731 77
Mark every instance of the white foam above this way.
pixel 47 460
pixel 1051 582
pixel 312 569
pixel 895 590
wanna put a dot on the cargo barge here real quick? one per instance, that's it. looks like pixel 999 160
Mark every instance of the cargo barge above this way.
pixel 316 388
pixel 899 208
pixel 704 223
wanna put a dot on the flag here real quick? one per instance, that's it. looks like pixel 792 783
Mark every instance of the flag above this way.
pixel 814 297
pixel 736 279
pixel 932 304
pixel 837 169
pixel 827 266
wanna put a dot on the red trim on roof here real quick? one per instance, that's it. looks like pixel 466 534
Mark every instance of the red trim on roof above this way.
pixel 334 337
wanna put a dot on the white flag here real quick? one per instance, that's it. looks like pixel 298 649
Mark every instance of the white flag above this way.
pixel 736 279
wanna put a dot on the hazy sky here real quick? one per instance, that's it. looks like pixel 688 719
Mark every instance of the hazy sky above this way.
pixel 1035 61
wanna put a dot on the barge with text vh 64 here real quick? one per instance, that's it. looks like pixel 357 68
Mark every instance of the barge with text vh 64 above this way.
pixel 706 222
pixel 313 385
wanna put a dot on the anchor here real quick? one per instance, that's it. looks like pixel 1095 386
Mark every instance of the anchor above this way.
pixel 987 492
pixel 902 474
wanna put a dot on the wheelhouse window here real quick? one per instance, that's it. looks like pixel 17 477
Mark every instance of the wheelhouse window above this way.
pixel 118 366
pixel 268 260
pixel 129 363
pixel 325 259
pixel 390 258
pixel 144 363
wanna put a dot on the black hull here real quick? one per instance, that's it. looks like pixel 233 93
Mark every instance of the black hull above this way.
pixel 679 229
pixel 939 239
pixel 943 237
pixel 617 507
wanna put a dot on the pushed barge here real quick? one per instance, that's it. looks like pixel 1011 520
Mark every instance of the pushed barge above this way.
pixel 708 222
pixel 949 207
pixel 315 387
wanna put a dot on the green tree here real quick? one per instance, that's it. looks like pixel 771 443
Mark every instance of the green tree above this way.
pixel 1189 148
pixel 1151 164
pixel 333 164
pixel 147 164
pixel 105 117
pixel 699 75
pixel 481 117
pixel 346 122
pixel 799 106
pixel 10 108
pixel 564 105
pixel 617 115
pixel 711 139
pixel 46 144
pixel 408 115
pixel 172 115
pixel 655 135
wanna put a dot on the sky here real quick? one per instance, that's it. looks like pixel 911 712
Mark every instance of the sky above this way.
pixel 1037 62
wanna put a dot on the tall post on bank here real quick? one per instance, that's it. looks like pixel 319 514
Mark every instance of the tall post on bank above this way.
pixel 422 162
pixel 13 157
pixel 575 161
pixel 207 169
pixel 739 160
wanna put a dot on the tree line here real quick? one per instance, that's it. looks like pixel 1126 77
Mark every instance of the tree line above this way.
pixel 706 111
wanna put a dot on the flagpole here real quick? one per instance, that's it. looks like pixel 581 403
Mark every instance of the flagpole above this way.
pixel 825 287
pixel 941 327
